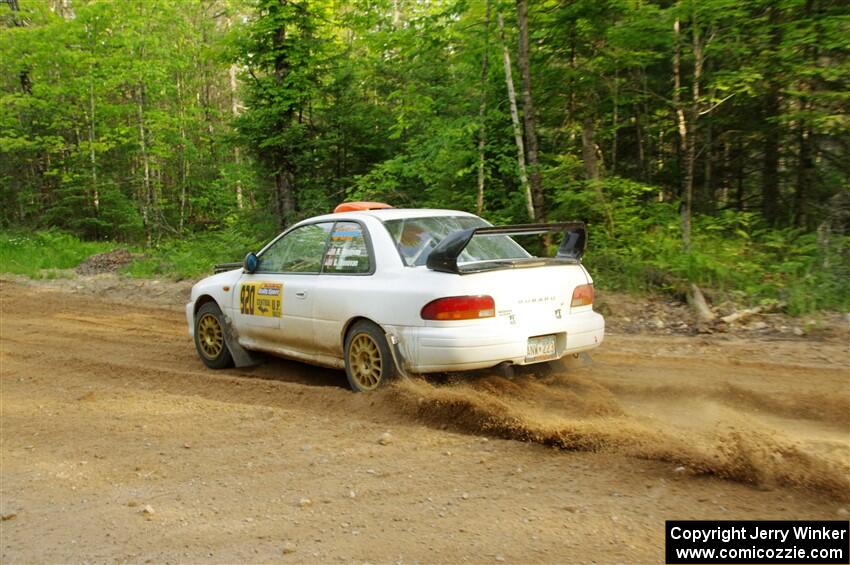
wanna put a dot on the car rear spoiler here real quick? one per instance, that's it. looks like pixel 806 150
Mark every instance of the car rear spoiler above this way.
pixel 444 256
pixel 224 267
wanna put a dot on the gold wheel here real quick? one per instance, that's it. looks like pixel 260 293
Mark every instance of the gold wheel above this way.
pixel 210 336
pixel 364 361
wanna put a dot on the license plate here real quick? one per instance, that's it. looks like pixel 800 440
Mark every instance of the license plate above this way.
pixel 540 349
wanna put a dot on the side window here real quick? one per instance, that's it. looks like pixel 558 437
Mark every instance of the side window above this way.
pixel 347 250
pixel 299 251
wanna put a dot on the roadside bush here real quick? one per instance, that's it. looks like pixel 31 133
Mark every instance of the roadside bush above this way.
pixel 635 245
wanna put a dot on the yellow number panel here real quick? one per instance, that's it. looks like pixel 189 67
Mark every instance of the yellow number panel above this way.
pixel 261 299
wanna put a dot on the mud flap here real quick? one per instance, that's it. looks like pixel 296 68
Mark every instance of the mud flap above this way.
pixel 397 357
pixel 584 358
pixel 241 356
pixel 572 361
pixel 507 370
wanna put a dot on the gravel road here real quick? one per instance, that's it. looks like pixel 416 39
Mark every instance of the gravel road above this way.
pixel 118 445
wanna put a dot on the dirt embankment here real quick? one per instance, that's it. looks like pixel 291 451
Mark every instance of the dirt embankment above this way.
pixel 117 444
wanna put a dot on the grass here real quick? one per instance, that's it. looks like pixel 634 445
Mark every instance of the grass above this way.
pixel 191 258
pixel 44 254
pixel 49 254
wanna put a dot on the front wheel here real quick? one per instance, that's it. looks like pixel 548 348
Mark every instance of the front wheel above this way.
pixel 368 361
pixel 209 337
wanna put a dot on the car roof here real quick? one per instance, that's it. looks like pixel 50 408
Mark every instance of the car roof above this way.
pixel 393 214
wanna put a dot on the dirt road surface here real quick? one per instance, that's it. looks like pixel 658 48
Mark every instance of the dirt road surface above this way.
pixel 118 445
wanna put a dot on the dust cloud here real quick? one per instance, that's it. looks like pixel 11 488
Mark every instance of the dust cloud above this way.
pixel 726 431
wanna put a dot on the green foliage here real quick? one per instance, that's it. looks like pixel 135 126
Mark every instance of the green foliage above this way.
pixel 38 254
pixel 198 128
pixel 734 254
pixel 120 132
pixel 193 258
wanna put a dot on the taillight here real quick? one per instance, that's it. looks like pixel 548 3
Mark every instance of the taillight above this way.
pixel 582 296
pixel 459 308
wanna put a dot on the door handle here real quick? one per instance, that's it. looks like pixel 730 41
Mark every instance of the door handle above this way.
pixel 301 294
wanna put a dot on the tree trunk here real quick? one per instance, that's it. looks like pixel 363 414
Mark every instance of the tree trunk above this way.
pixel 739 178
pixel 237 156
pixel 696 300
pixel 63 8
pixel 592 169
pixel 528 117
pixel 725 166
pixel 184 162
pixel 687 120
pixel 234 112
pixel 684 138
pixel 615 119
pixel 92 157
pixel 643 167
pixel 805 172
pixel 770 205
pixel 641 151
pixel 23 76
pixel 146 196
pixel 588 151
pixel 707 172
pixel 694 111
pixel 523 174
pixel 285 176
pixel 396 14
pixel 284 182
pixel 806 148
pixel 482 111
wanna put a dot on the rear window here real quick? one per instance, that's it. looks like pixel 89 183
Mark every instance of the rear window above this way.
pixel 416 237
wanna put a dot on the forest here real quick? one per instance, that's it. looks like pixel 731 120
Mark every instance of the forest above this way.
pixel 703 141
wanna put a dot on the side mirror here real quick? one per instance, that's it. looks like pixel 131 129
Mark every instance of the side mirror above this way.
pixel 251 263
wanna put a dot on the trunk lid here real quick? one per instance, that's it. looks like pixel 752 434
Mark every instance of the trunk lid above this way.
pixel 533 298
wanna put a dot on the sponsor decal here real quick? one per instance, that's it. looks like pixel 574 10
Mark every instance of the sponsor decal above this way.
pixel 345 235
pixel 261 299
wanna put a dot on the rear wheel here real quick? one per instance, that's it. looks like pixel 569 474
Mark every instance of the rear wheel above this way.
pixel 209 337
pixel 368 361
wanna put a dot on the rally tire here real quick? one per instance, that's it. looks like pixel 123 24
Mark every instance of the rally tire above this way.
pixel 210 342
pixel 369 362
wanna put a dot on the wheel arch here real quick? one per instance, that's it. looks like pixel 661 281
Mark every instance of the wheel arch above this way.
pixel 347 326
pixel 204 299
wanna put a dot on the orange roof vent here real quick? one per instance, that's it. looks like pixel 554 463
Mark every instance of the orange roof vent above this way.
pixel 360 206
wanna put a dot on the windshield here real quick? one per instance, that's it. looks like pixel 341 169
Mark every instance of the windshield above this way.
pixel 416 237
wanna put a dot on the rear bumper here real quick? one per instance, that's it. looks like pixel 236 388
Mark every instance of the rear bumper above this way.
pixel 445 348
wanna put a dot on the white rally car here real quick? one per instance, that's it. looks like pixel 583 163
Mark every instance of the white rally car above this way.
pixel 380 291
